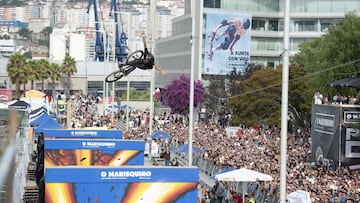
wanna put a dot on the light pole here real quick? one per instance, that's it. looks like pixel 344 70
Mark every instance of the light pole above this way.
pixel 284 104
pixel 114 67
pixel 152 20
pixel 86 75
pixel 104 83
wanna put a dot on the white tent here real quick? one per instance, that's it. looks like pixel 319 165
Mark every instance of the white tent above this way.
pixel 299 196
pixel 243 175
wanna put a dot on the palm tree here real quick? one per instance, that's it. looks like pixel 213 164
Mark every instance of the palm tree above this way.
pixel 15 71
pixel 55 74
pixel 69 68
pixel 24 76
pixel 44 72
pixel 33 72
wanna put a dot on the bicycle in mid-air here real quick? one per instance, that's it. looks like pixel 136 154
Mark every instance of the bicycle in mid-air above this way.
pixel 137 59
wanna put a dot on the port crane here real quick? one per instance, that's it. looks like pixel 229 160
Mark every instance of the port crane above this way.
pixel 99 44
pixel 121 48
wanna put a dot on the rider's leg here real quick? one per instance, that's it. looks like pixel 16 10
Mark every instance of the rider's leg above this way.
pixel 121 67
pixel 128 69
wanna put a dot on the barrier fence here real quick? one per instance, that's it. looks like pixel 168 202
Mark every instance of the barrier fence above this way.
pixel 14 157
pixel 208 167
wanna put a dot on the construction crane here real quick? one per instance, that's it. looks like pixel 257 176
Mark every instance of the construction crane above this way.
pixel 99 44
pixel 121 48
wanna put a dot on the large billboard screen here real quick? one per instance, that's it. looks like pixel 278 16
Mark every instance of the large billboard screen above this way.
pixel 125 184
pixel 227 45
pixel 90 152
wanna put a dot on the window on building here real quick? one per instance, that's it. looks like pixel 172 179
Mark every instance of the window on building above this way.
pixel 352 5
pixel 273 25
pixel 271 45
pixel 324 25
pixel 266 44
pixel 295 42
pixel 258 24
pixel 95 87
pixel 271 64
pixel 338 6
pixel 304 6
pixel 273 5
pixel 326 6
pixel 281 25
pixel 261 44
pixel 304 25
pixel 252 6
pixel 212 3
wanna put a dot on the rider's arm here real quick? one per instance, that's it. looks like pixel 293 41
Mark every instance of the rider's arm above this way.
pixel 156 67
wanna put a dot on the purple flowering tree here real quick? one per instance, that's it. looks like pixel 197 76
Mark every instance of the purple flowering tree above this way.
pixel 176 95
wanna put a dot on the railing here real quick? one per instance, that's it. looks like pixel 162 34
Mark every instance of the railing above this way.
pixel 14 159
pixel 209 168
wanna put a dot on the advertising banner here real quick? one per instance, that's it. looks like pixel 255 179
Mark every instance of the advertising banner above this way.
pixel 89 152
pixel 5 95
pixel 77 133
pixel 227 46
pixel 351 137
pixel 334 136
pixel 325 133
pixel 125 184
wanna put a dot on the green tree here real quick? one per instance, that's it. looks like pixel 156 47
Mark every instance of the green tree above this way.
pixel 46 36
pixel 215 91
pixel 28 55
pixel 69 69
pixel 260 100
pixel 47 31
pixel 333 56
pixel 24 76
pixel 55 75
pixel 24 33
pixel 43 72
pixel 33 74
pixel 5 36
pixel 15 69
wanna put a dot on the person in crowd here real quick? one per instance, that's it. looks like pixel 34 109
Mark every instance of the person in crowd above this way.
pixel 262 146
pixel 174 162
pixel 219 191
pixel 318 97
pixel 167 156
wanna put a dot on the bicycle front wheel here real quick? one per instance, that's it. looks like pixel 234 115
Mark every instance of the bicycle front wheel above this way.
pixel 114 76
pixel 134 56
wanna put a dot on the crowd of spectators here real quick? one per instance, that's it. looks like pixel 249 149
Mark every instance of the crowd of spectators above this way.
pixel 259 149
pixel 253 148
pixel 338 98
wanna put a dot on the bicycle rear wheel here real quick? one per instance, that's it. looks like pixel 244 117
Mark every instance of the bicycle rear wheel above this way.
pixel 114 76
pixel 136 55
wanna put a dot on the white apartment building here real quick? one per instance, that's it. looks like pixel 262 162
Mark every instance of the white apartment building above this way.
pixel 75 19
pixel 309 19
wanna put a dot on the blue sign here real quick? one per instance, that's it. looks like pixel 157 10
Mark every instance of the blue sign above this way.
pixel 95 174
pixel 94 144
pixel 122 184
pixel 111 134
